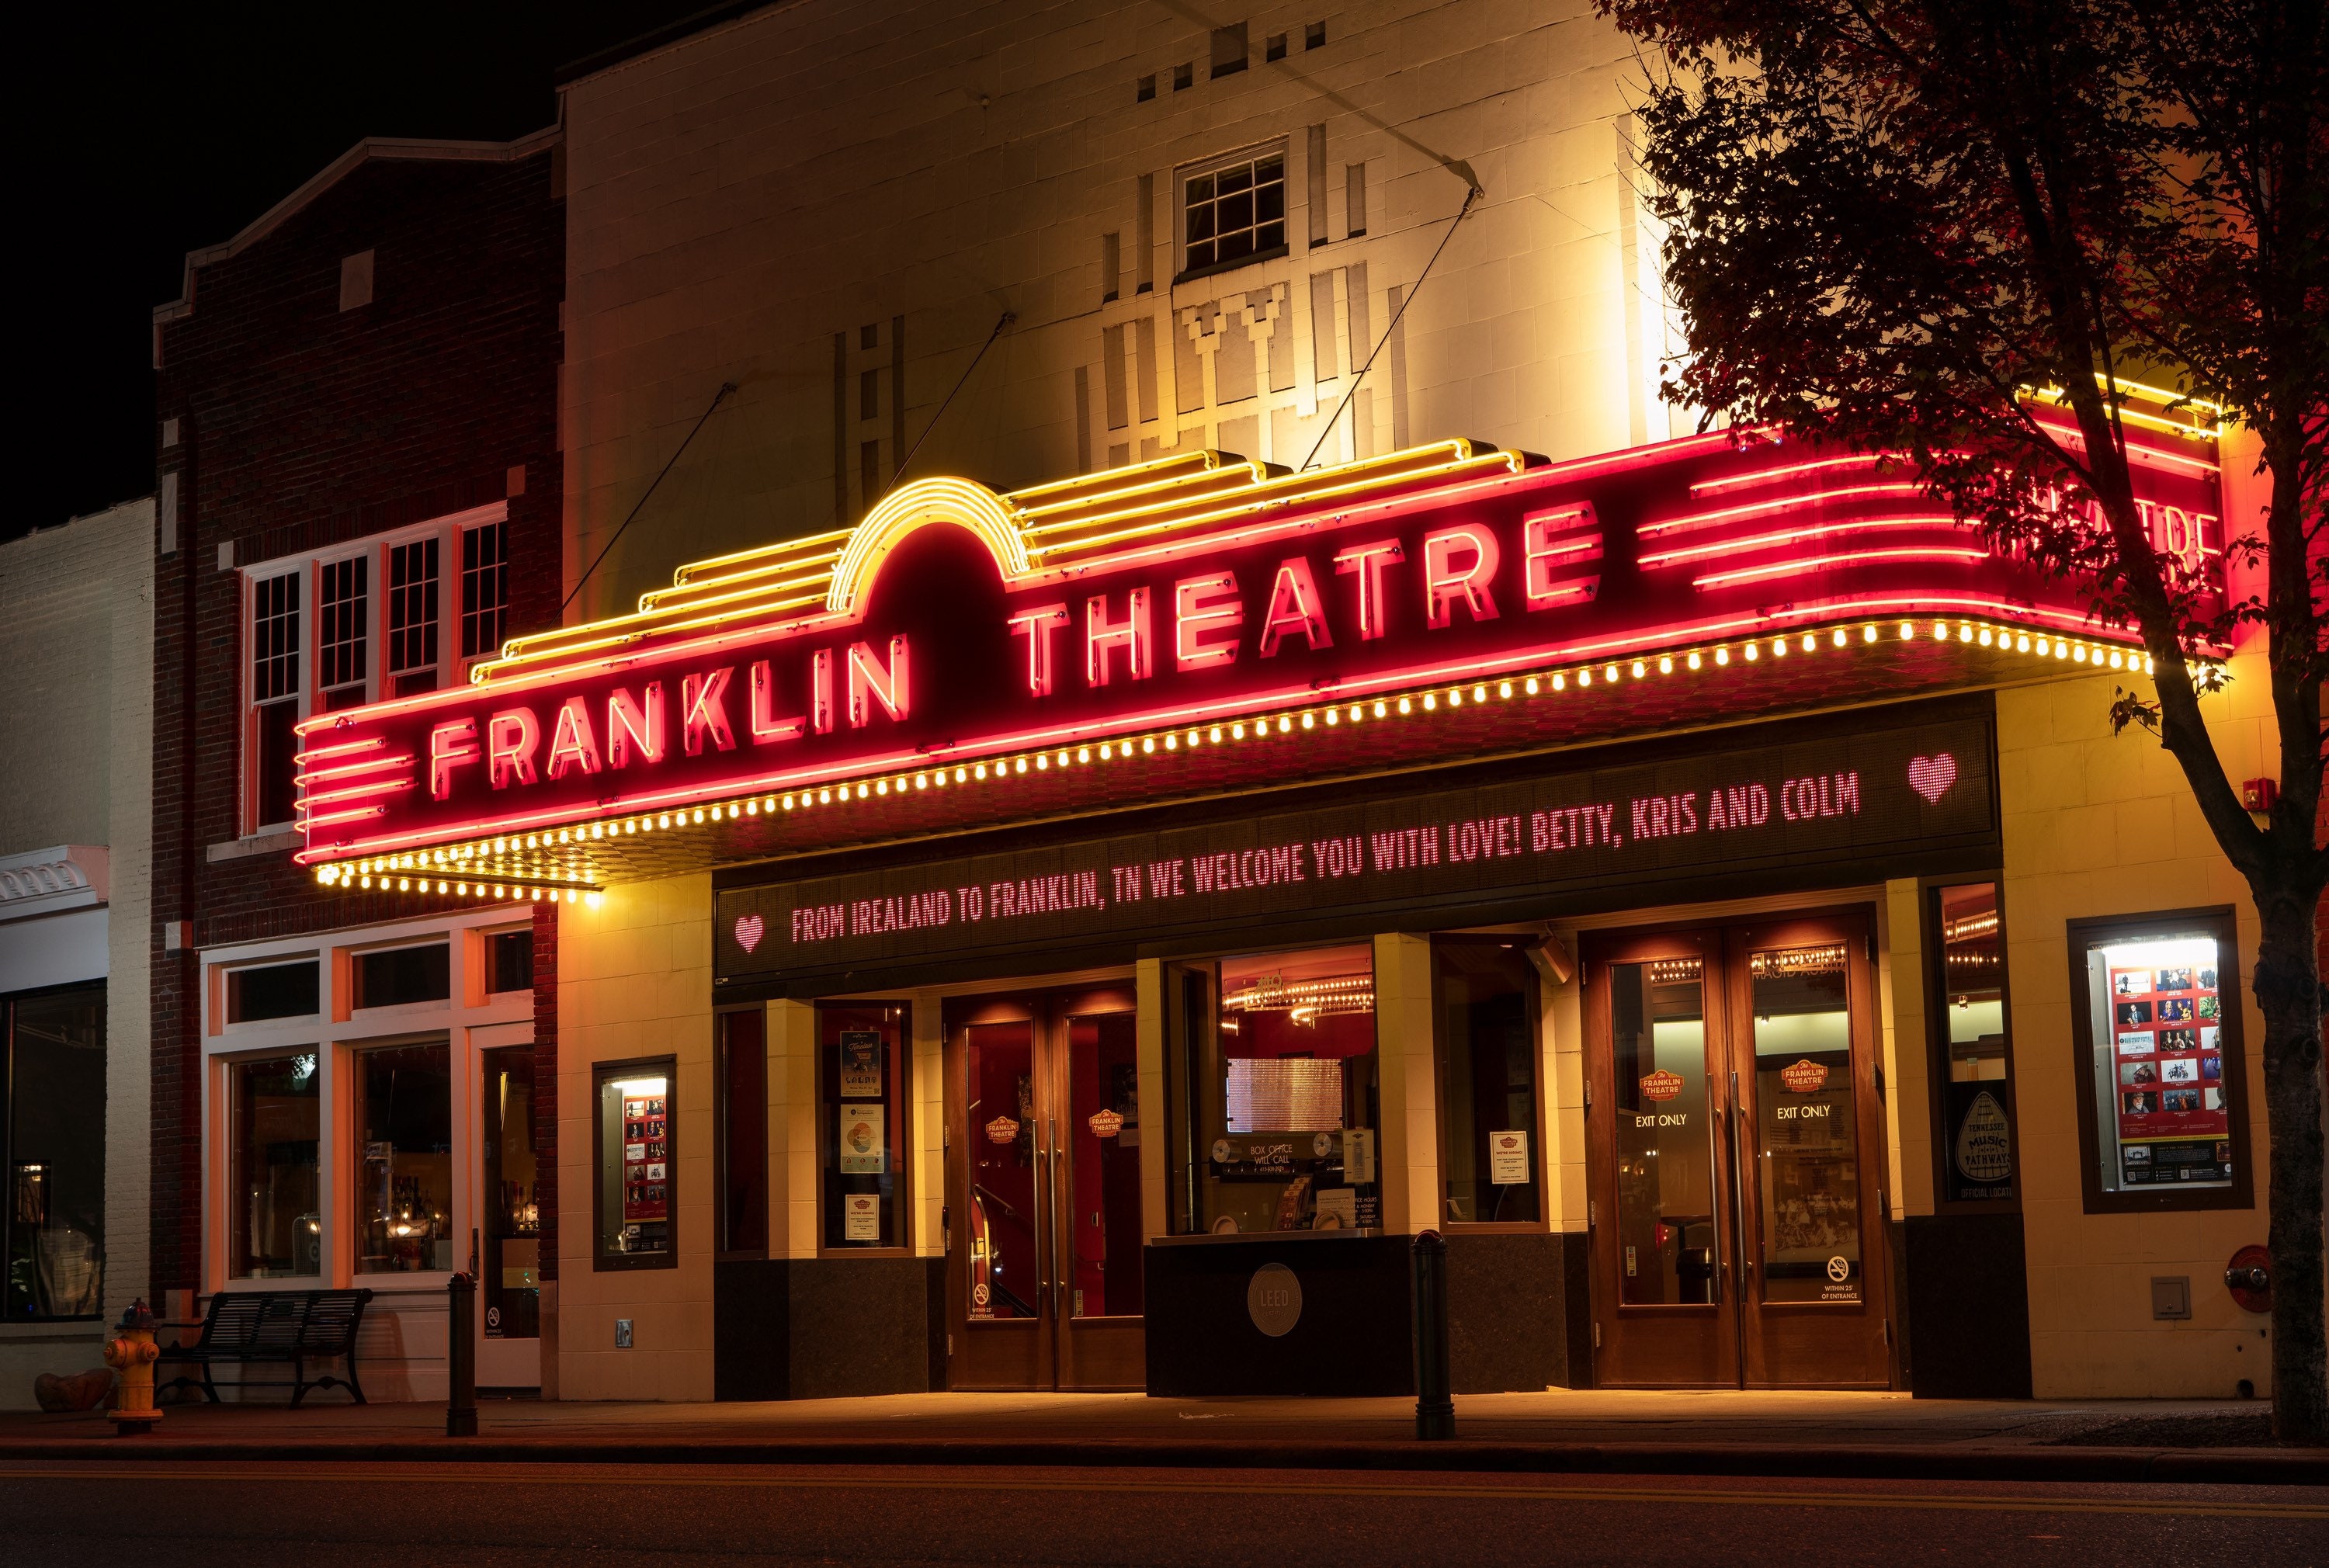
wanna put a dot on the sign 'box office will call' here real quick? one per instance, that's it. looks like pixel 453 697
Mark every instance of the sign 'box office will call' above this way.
pixel 1866 795
pixel 904 645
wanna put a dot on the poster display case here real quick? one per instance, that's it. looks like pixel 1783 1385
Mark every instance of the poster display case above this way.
pixel 636 1138
pixel 2159 1028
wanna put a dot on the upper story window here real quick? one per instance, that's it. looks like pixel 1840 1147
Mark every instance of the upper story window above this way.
pixel 342 630
pixel 412 616
pixel 484 589
pixel 1233 211
pixel 310 625
pixel 275 692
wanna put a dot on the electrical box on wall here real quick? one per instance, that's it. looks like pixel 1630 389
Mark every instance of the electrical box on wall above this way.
pixel 2258 794
pixel 2171 1297
pixel 622 1333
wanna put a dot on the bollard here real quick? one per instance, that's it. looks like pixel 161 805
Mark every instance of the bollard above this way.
pixel 461 1356
pixel 1435 1411
pixel 132 1353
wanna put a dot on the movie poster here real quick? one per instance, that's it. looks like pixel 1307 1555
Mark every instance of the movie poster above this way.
pixel 2168 1074
pixel 646 1159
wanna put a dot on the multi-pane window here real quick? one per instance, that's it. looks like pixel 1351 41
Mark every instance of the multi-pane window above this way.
pixel 274 693
pixel 484 589
pixel 412 616
pixel 1234 212
pixel 53 1149
pixel 343 614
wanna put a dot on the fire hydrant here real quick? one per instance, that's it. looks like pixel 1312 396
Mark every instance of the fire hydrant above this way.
pixel 132 1353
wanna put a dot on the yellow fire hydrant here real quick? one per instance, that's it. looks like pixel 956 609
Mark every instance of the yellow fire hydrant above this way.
pixel 132 1353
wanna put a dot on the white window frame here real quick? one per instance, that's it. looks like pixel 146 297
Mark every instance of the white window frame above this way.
pixel 450 667
pixel 470 1019
pixel 1282 149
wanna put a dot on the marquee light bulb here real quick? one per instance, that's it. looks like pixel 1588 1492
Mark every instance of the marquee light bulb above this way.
pixel 1430 703
pixel 1640 670
pixel 1753 652
pixel 1585 677
pixel 1214 734
pixel 1665 664
pixel 1285 724
pixel 1531 687
pixel 1307 722
pixel 1383 710
pixel 1148 743
pixel 1610 672
pixel 1334 716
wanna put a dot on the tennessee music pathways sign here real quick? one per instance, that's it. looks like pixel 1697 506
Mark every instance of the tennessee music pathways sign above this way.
pixel 1850 798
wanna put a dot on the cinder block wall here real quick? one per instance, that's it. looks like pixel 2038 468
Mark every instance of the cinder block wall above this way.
pixel 77 641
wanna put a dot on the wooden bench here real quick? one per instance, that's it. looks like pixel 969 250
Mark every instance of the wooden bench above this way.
pixel 282 1328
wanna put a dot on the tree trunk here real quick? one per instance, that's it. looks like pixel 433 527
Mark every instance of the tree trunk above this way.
pixel 2288 992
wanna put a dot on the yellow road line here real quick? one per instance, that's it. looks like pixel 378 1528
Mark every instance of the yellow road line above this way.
pixel 660 1476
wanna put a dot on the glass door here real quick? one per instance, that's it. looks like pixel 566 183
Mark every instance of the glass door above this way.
pixel 1733 1142
pixel 1044 1224
pixel 509 1316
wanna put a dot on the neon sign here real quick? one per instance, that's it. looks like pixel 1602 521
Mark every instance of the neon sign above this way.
pixel 956 625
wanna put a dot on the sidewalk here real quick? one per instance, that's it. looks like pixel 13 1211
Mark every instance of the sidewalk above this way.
pixel 1720 1433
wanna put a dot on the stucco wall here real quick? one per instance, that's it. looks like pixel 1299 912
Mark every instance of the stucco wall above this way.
pixel 2102 825
pixel 817 202
pixel 636 981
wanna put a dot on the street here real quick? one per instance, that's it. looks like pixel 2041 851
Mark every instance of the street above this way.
pixel 143 1513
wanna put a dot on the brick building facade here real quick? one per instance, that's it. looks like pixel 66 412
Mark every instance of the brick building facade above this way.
pixel 360 489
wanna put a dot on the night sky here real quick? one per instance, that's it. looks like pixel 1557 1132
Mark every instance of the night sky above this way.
pixel 146 133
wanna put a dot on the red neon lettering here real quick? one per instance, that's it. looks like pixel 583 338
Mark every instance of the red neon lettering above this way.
pixel 628 724
pixel 572 744
pixel 766 726
pixel 1444 582
pixel 1198 607
pixel 449 744
pixel 703 710
pixel 1542 553
pixel 1295 606
pixel 1101 635
pixel 511 736
pixel 866 679
pixel 1369 561
pixel 1037 626
pixel 820 692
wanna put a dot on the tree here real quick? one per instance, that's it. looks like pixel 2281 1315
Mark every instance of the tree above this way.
pixel 1910 226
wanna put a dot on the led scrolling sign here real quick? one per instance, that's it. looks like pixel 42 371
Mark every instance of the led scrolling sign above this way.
pixel 957 627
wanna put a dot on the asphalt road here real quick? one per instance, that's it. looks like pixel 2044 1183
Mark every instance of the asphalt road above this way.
pixel 149 1513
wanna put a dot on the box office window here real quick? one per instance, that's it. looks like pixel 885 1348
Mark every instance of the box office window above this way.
pixel 1973 1061
pixel 53 1135
pixel 395 976
pixel 637 1148
pixel 2155 1004
pixel 1486 1038
pixel 1276 1103
pixel 404 1158
pixel 862 1115
pixel 275 1225
pixel 740 1074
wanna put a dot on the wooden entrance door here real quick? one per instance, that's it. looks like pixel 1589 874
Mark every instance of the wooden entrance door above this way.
pixel 1735 1153
pixel 1043 1232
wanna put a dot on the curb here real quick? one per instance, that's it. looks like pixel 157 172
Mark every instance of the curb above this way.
pixel 2154 1465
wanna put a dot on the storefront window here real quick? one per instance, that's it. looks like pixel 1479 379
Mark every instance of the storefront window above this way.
pixel 54 1093
pixel 861 1084
pixel 275 1226
pixel 2159 1027
pixel 512 1260
pixel 1973 1097
pixel 404 1165
pixel 741 1073
pixel 1486 997
pixel 1275 1128
pixel 637 1156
